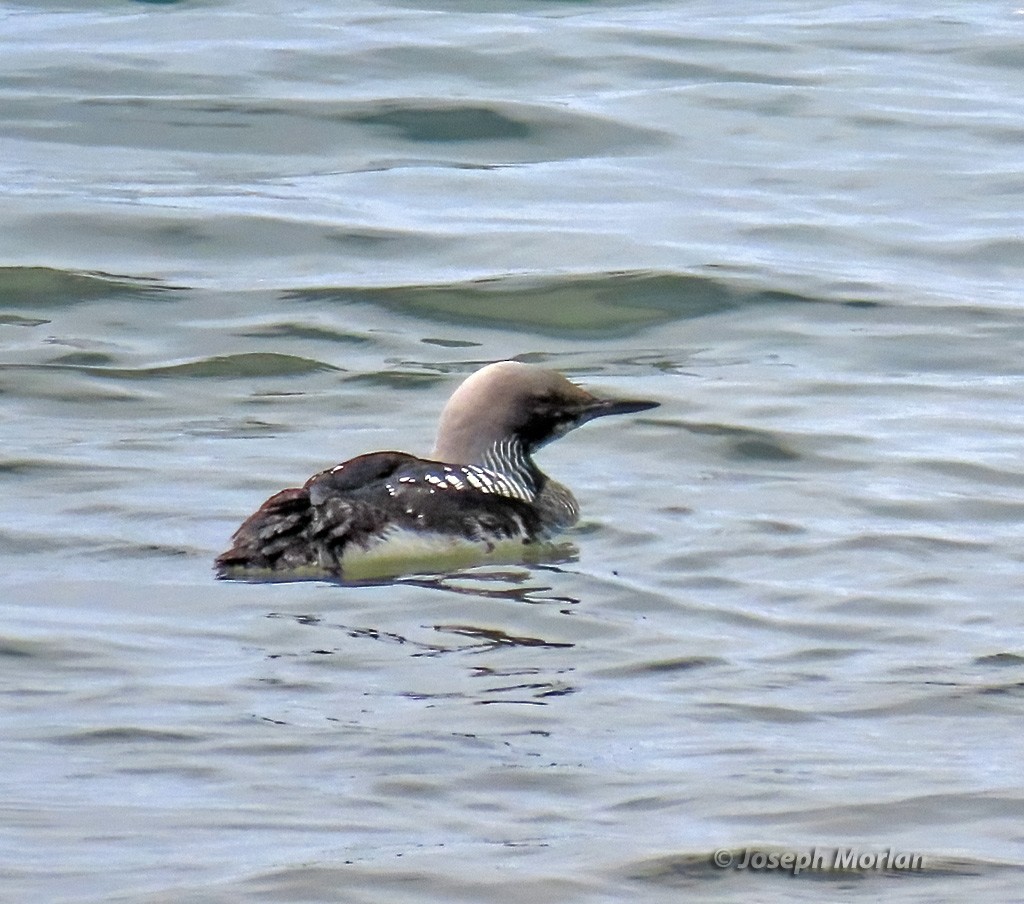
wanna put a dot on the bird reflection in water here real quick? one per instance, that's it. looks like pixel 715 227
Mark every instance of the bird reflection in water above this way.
pixel 518 682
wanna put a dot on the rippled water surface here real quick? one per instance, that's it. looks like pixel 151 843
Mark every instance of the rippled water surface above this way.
pixel 243 242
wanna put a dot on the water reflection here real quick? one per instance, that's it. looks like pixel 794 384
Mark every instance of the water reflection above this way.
pixel 472 581
pixel 469 583
pixel 508 664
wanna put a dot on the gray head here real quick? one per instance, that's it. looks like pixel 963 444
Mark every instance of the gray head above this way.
pixel 513 400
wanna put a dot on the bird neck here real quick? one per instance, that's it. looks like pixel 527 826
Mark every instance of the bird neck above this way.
pixel 509 458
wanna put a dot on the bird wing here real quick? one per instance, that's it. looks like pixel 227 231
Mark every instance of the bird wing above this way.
pixel 356 474
pixel 307 527
pixel 363 501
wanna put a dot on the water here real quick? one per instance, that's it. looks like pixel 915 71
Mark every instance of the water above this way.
pixel 245 242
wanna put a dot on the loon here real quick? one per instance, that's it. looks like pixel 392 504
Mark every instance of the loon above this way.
pixel 479 490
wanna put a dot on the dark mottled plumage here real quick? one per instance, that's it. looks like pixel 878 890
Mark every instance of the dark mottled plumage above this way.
pixel 482 487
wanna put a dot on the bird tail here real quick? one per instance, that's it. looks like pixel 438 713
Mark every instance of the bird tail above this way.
pixel 271 538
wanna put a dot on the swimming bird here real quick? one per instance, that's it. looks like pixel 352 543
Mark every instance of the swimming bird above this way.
pixel 387 513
